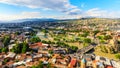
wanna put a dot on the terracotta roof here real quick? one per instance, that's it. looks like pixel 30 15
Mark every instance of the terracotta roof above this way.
pixel 10 63
pixel 39 44
pixel 36 45
pixel 21 67
pixel 73 62
pixel 109 67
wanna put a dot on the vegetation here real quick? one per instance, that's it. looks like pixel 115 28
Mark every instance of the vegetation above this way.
pixel 50 51
pixel 35 39
pixel 25 47
pixel 117 56
pixel 104 49
pixel 5 61
pixel 40 65
pixel 20 48
pixel 5 49
pixel 6 40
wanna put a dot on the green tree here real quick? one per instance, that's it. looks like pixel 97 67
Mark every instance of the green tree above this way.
pixel 6 40
pixel 49 65
pixel 40 65
pixel 34 67
pixel 5 61
pixel 17 33
pixel 117 56
pixel 107 37
pixel 87 40
pixel 96 31
pixel 20 48
pixel 35 39
pixel 5 49
pixel 50 51
pixel 104 49
pixel 25 47
pixel 74 48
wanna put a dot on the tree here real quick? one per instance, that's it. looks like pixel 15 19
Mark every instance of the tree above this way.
pixel 25 47
pixel 40 65
pixel 95 32
pixel 35 39
pixel 5 49
pixel 5 61
pixel 74 48
pixel 117 56
pixel 107 37
pixel 100 37
pixel 20 48
pixel 111 50
pixel 6 40
pixel 49 65
pixel 104 49
pixel 50 51
pixel 17 33
pixel 34 67
pixel 87 40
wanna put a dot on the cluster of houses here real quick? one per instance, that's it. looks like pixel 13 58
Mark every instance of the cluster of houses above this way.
pixel 59 58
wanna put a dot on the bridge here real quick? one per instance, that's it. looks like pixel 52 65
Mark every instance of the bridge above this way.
pixel 85 49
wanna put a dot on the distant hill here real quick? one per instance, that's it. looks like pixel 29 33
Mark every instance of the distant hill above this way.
pixel 34 19
pixel 39 20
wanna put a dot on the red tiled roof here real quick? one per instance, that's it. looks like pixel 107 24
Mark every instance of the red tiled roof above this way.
pixel 36 45
pixel 109 67
pixel 39 44
pixel 73 62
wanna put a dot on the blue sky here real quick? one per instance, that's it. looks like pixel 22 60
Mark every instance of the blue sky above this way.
pixel 60 9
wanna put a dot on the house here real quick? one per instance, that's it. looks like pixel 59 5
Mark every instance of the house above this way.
pixel 53 60
pixel 100 65
pixel 11 46
pixel 115 64
pixel 36 46
pixel 97 58
pixel 22 62
pixel 108 62
pixel 1 62
pixel 9 64
pixel 88 58
pixel 21 66
pixel 72 63
pixel 62 61
pixel 20 57
pixel 1 45
pixel 83 63
pixel 32 63
pixel 12 41
pixel 45 62
pixel 37 55
pixel 108 66
pixel 59 51
pixel 10 55
pixel 94 64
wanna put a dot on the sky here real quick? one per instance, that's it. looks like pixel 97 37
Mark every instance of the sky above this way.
pixel 58 9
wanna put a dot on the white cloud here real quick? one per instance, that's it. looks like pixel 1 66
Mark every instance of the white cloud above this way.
pixel 59 5
pixel 64 6
pixel 74 12
pixel 96 12
pixel 30 14
pixel 20 16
